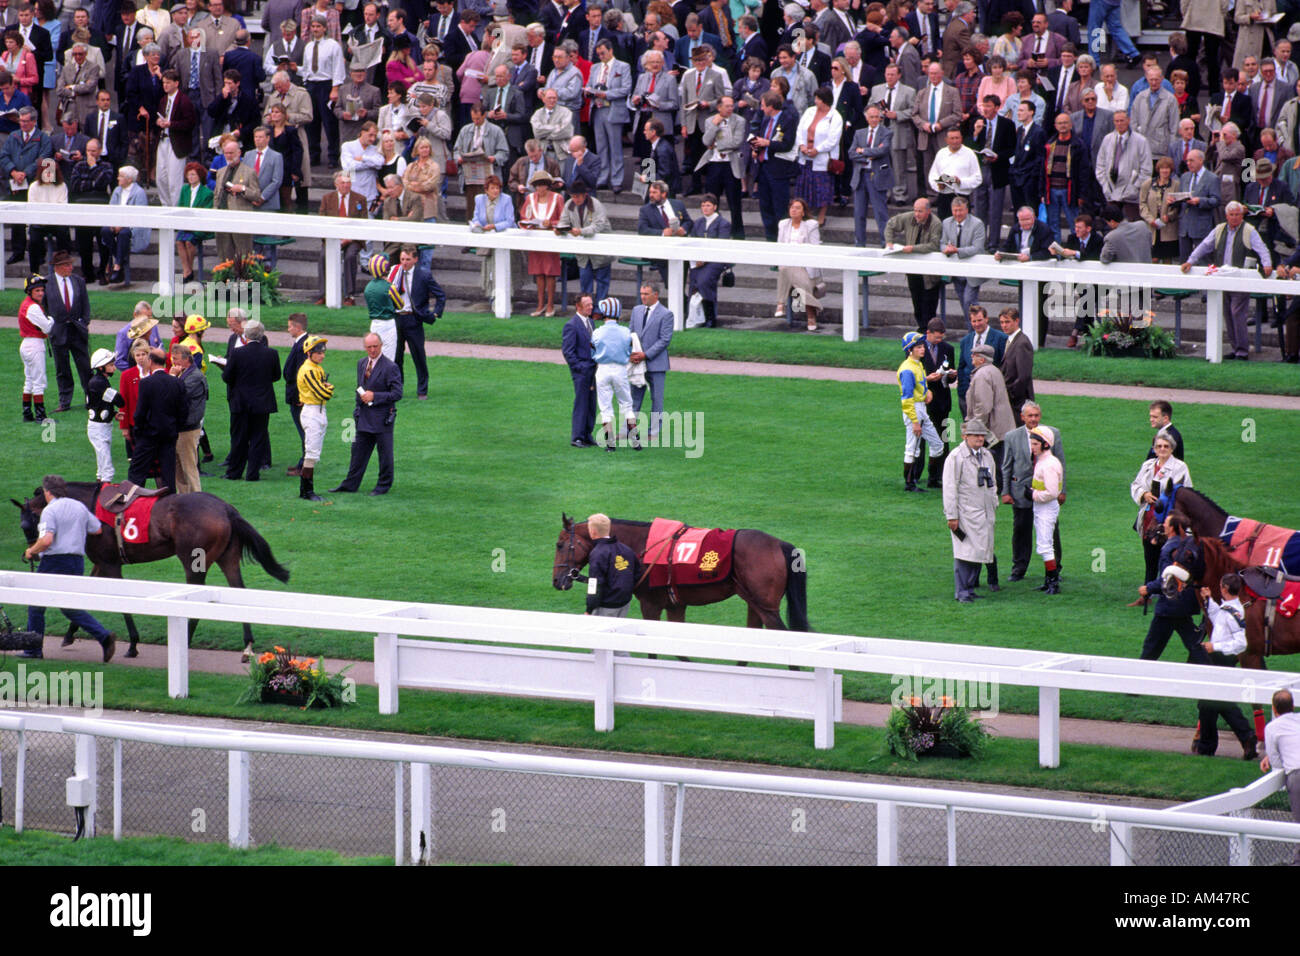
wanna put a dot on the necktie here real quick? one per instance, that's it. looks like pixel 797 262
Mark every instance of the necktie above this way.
pixel 651 88
pixel 216 24
pixel 871 137
pixel 501 98
pixel 699 83
pixel 934 103
pixel 67 299
pixel 194 69
pixel 1114 163
pixel 370 367
pixel 1195 176
pixel 257 164
pixel 343 206
pixel 1042 43
pixel 1187 148
pixel 1263 107
pixel 1060 90
pixel 315 56
pixel 958 242
pixel 103 129
pixel 979 339
pixel 1227 107
pixel 591 46
pixel 664 214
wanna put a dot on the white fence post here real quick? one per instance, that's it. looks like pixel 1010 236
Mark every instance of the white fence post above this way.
pixel 333 273
pixel 20 758
pixel 677 293
pixel 117 789
pixel 679 813
pixel 1121 844
pixel 421 813
pixel 1029 310
pixel 886 833
pixel 1214 326
pixel 166 260
pixel 824 717
pixel 178 657
pixel 851 304
pixel 501 290
pixel 399 811
pixel 1049 727
pixel 603 664
pixel 386 672
pixel 87 762
pixel 654 824
pixel 951 814
pixel 1241 849
pixel 237 799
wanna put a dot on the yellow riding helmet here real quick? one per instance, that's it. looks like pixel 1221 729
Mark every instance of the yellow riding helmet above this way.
pixel 314 342
pixel 195 324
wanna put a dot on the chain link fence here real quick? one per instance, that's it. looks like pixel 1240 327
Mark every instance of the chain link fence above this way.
pixel 508 816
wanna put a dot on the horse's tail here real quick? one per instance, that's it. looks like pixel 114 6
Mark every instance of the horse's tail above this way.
pixel 796 587
pixel 254 546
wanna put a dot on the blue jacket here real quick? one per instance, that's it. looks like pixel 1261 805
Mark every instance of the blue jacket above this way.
pixel 27 157
pixel 575 344
pixel 1187 603
pixel 994 337
pixel 386 382
pixel 505 213
pixel 136 197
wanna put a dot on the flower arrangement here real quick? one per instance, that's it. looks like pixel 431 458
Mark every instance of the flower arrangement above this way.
pixel 251 269
pixel 281 677
pixel 1115 334
pixel 924 730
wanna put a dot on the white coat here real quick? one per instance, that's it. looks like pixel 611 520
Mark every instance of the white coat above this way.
pixel 1175 470
pixel 973 506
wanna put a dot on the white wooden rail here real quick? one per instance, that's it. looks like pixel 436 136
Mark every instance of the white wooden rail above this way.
pixel 1119 820
pixel 831 257
pixel 606 679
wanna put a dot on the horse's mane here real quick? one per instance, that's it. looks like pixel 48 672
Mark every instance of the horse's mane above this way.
pixel 633 524
pixel 1184 489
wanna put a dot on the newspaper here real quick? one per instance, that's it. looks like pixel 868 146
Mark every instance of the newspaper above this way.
pixel 366 55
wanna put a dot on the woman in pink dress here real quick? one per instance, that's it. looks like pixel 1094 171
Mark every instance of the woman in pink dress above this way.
pixel 541 210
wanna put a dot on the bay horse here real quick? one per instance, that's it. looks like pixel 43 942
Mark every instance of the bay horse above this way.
pixel 197 528
pixel 763 569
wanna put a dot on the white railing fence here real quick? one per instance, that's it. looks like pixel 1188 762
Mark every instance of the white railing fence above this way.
pixel 850 261
pixel 582 658
pixel 491 805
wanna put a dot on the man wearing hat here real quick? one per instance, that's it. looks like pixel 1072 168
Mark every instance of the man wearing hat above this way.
pixel 33 329
pixel 1044 491
pixel 611 348
pixel 700 88
pixel 584 217
pixel 68 304
pixel 1268 191
pixel 987 400
pixel 914 396
pixel 314 390
pixel 142 324
pixel 102 403
pixel 379 389
pixel 382 304
pixel 970 503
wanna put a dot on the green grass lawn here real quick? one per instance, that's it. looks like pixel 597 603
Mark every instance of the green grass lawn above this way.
pixel 484 472
pixel 37 848
pixel 1270 378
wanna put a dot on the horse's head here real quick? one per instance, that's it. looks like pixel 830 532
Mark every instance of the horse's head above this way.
pixel 571 551
pixel 30 514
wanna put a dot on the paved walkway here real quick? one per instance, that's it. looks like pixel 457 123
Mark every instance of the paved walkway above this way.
pixel 814 372
pixel 1156 737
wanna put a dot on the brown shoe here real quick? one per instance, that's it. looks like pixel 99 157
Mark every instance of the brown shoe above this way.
pixel 1074 341
pixel 1138 603
pixel 349 301
pixel 320 301
pixel 110 647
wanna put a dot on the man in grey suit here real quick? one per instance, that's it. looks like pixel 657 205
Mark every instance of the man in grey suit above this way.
pixel 268 166
pixel 200 72
pixel 1197 217
pixel 963 235
pixel 1017 474
pixel 655 95
pixel 907 58
pixel 609 83
pixel 1157 121
pixel 1092 123
pixel 1126 241
pixel 503 105
pixel 1123 163
pixel 938 109
pixel 873 175
pixel 700 89
pixel 896 102
pixel 653 325
pixel 1183 145
pixel 723 163
pixel 566 80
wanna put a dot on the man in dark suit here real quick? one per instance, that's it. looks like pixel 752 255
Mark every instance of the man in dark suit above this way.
pixel 814 60
pixel 1029 240
pixel 980 334
pixel 379 389
pixel 414 283
pixel 1083 245
pixel 126 45
pixel 37 38
pixel 1026 174
pixel 940 364
pixel 1061 21
pixel 159 412
pixel 575 344
pixel 108 127
pixel 69 145
pixel 595 32
pixel 503 105
pixel 178 121
pixel 250 375
pixel 923 23
pixel 752 44
pixel 565 22
pixel 998 135
pixel 664 156
pixel 537 54
pixel 68 306
pixel 694 35
pixel 661 216
pixel 772 139
pixel 1017 361
pixel 247 63
pixel 1229 105
pixel 462 39
pixel 582 164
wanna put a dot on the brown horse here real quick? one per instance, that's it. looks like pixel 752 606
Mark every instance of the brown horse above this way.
pixel 1263 639
pixel 763 568
pixel 199 529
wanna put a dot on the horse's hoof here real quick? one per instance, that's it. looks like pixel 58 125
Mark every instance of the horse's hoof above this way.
pixel 131 652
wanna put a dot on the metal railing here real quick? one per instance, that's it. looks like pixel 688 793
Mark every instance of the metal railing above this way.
pixel 493 805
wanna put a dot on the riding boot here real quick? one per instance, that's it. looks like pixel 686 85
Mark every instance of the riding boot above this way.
pixel 936 472
pixel 1053 582
pixel 993 575
pixel 205 446
pixel 918 468
pixel 27 410
pixel 1047 580
pixel 38 411
pixel 909 483
pixel 305 489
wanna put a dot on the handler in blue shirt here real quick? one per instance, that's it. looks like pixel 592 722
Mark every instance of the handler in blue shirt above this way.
pixel 61 543
pixel 1175 613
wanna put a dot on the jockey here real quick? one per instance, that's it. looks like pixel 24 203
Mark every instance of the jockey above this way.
pixel 914 396
pixel 33 329
pixel 1043 491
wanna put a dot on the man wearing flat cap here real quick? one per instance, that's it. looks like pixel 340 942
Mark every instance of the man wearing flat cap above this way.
pixel 970 501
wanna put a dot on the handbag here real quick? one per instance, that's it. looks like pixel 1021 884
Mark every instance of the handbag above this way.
pixel 728 278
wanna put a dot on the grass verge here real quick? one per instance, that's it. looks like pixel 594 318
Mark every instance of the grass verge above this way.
pixel 39 848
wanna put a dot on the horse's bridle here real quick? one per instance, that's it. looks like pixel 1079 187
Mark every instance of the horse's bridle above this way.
pixel 569 558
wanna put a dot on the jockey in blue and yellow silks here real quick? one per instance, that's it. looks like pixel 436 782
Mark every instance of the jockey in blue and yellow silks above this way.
pixel 913 393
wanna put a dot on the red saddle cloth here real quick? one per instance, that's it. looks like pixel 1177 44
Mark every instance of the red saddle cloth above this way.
pixel 135 519
pixel 685 556
pixel 1289 602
